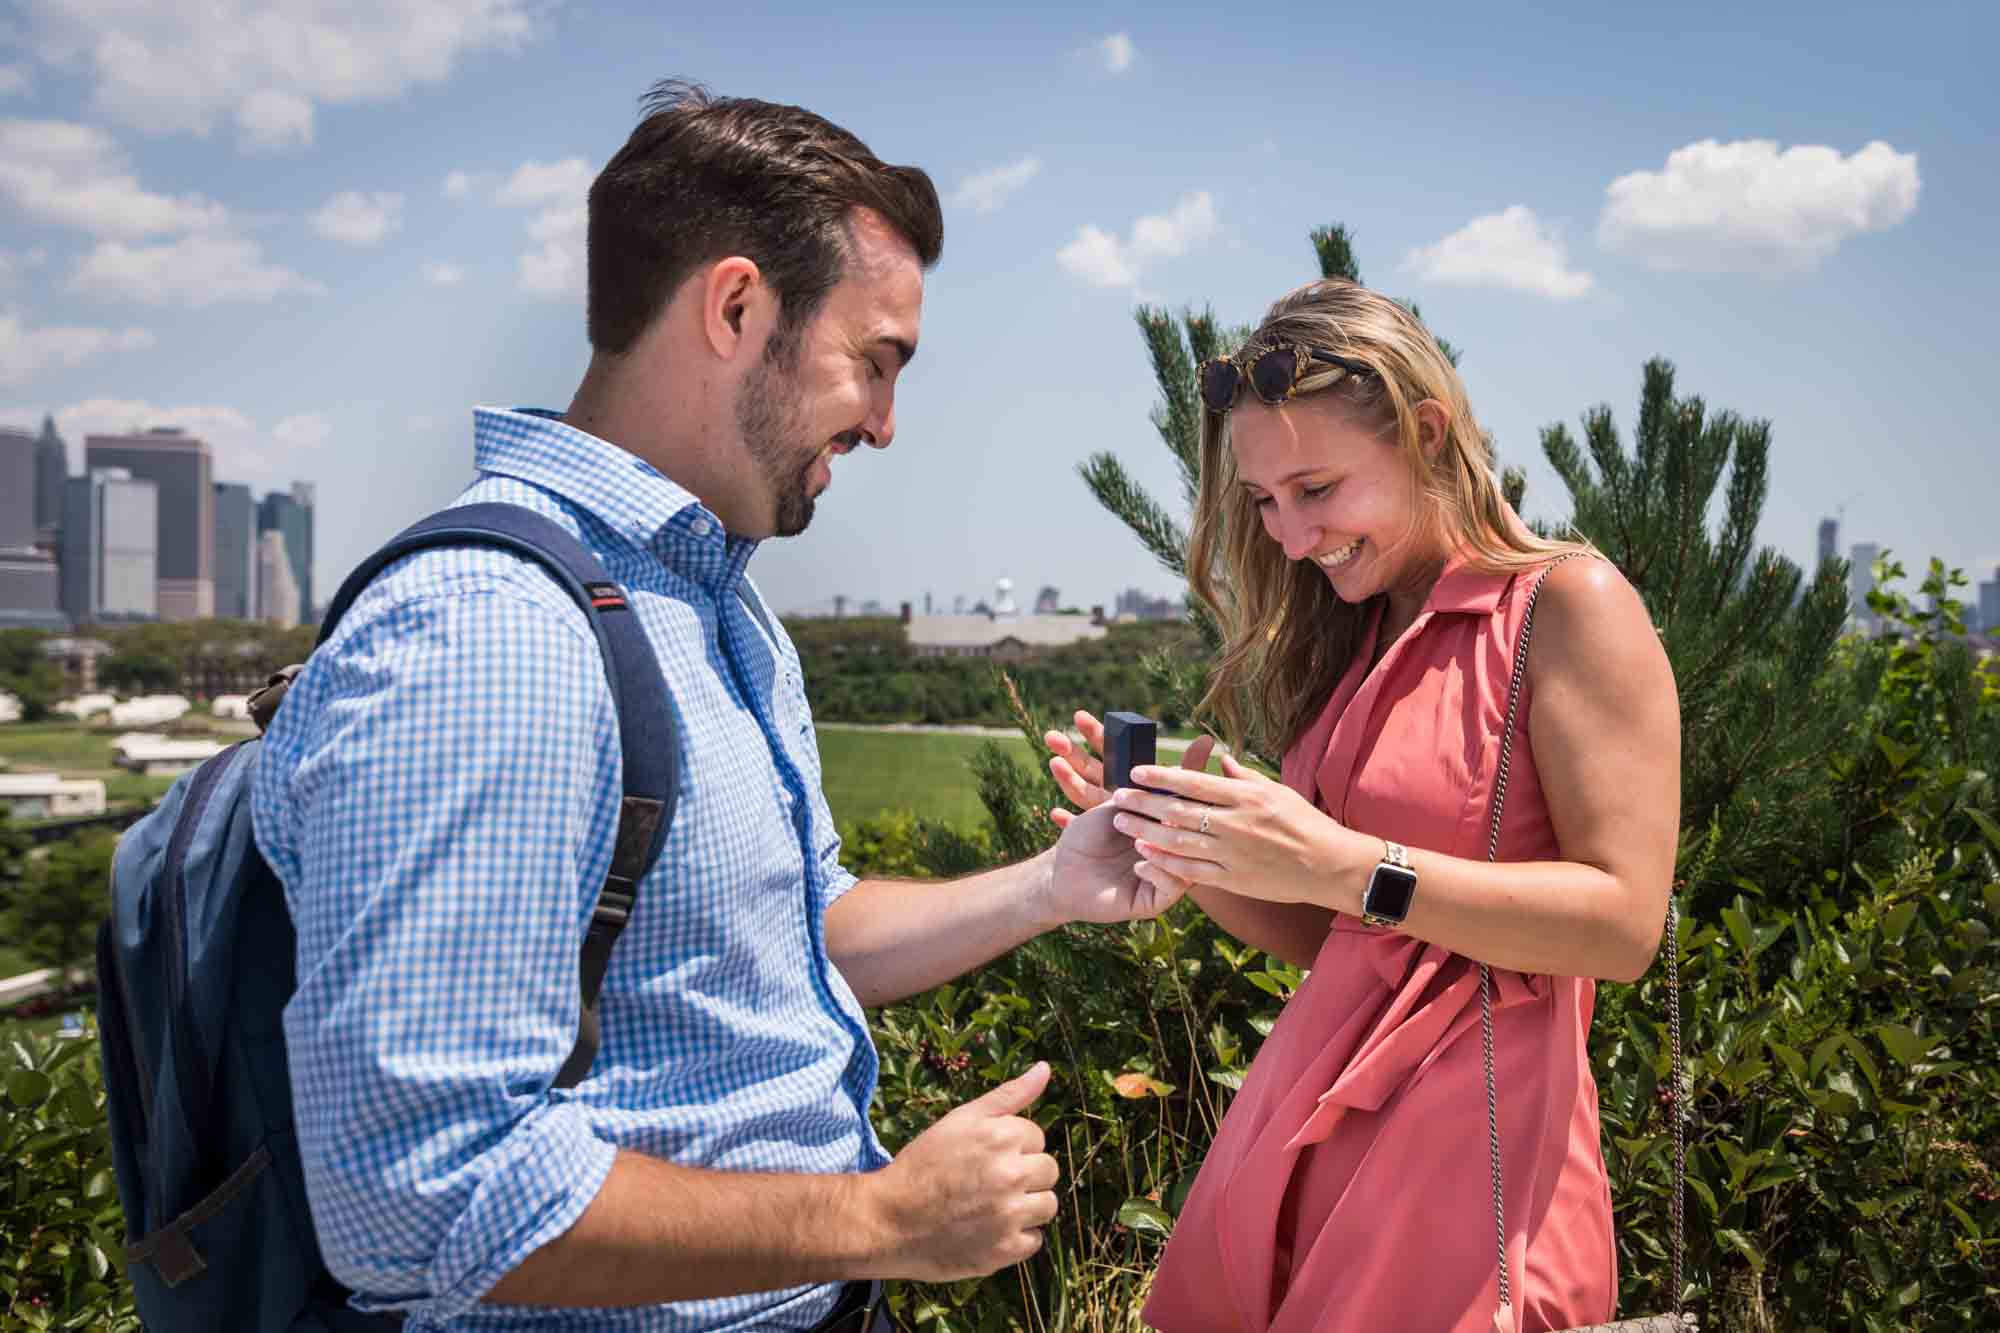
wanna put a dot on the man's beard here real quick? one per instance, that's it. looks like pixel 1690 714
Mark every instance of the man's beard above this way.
pixel 772 420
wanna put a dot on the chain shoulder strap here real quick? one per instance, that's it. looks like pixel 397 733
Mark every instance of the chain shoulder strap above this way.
pixel 1677 1101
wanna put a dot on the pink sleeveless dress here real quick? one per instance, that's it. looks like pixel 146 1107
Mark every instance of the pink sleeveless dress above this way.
pixel 1348 1187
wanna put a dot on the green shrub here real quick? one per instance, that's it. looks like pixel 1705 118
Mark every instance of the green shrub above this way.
pixel 61 1261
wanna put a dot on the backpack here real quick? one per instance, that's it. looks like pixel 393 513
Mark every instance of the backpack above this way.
pixel 197 961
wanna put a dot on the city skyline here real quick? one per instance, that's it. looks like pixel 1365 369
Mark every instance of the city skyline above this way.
pixel 323 295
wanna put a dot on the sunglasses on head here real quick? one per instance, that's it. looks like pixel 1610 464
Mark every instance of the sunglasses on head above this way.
pixel 1273 373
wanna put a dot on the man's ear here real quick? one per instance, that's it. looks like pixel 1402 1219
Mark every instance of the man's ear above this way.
pixel 736 306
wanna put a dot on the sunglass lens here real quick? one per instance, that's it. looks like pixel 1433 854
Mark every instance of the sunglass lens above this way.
pixel 1273 373
pixel 1218 384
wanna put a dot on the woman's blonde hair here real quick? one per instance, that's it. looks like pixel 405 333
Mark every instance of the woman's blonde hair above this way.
pixel 1287 637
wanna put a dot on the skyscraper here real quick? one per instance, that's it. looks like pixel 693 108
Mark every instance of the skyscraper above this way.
pixel 110 547
pixel 1829 539
pixel 1861 582
pixel 277 590
pixel 235 552
pixel 27 575
pixel 1989 604
pixel 292 514
pixel 51 475
pixel 179 467
pixel 17 489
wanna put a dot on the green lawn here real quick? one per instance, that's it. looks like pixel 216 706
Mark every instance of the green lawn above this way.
pixel 871 771
pixel 12 964
pixel 65 746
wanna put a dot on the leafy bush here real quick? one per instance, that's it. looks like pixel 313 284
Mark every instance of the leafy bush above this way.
pixel 61 1261
pixel 51 915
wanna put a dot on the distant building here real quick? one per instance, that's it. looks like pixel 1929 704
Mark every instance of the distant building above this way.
pixel 277 586
pixel 1007 638
pixel 179 467
pixel 1134 604
pixel 1829 539
pixel 1048 601
pixel 292 514
pixel 17 489
pixel 235 552
pixel 51 472
pixel 1000 632
pixel 50 795
pixel 1861 582
pixel 1989 604
pixel 110 547
pixel 30 594
pixel 161 756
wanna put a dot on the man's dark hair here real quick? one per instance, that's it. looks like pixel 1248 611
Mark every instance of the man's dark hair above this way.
pixel 705 177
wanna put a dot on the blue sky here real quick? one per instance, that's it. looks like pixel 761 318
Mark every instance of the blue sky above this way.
pixel 318 233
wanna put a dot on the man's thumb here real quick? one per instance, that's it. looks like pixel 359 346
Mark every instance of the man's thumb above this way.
pixel 1232 769
pixel 1015 1095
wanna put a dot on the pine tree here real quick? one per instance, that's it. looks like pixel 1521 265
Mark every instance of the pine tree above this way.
pixel 1748 637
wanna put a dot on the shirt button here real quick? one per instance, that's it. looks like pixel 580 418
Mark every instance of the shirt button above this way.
pixel 699 527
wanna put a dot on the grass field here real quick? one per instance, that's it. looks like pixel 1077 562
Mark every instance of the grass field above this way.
pixel 68 747
pixel 868 772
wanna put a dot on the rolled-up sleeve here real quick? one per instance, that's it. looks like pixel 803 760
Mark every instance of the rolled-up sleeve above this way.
pixel 448 788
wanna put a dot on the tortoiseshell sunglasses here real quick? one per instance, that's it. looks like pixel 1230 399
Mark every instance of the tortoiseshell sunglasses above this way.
pixel 1274 374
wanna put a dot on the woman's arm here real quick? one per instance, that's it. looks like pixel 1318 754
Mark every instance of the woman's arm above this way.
pixel 1605 731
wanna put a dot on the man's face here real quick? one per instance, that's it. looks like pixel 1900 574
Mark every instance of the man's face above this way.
pixel 822 390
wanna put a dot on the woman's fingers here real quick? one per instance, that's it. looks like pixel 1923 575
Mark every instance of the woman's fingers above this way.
pixel 1181 867
pixel 1198 752
pixel 1061 817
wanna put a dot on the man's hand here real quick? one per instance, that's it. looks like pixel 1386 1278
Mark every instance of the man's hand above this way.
pixel 1093 877
pixel 969 1195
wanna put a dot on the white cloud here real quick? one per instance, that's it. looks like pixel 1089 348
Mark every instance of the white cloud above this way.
pixel 546 182
pixel 264 63
pixel 270 121
pixel 241 450
pixel 458 185
pixel 561 191
pixel 1750 206
pixel 15 262
pixel 355 218
pixel 75 176
pixel 988 190
pixel 1100 258
pixel 196 270
pixel 1512 249
pixel 26 352
pixel 301 433
pixel 14 80
pixel 1116 51
pixel 444 275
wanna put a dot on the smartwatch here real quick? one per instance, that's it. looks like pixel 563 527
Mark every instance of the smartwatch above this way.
pixel 1392 887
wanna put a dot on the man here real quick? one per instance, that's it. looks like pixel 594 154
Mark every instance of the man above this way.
pixel 438 795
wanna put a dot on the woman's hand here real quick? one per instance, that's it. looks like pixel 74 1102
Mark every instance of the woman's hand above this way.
pixel 1244 833
pixel 1080 774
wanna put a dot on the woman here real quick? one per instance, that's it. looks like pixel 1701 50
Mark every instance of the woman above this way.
pixel 1373 584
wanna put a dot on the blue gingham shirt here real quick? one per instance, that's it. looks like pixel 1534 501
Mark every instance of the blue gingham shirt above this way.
pixel 438 795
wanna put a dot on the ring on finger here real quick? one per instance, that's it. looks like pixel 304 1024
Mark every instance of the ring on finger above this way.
pixel 1203 828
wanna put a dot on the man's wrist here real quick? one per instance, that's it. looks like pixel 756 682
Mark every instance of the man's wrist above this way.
pixel 866 1216
pixel 1040 910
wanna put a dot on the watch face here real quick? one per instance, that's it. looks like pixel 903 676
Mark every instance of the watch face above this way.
pixel 1391 889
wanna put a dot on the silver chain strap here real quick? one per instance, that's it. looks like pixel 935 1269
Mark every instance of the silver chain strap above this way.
pixel 1486 988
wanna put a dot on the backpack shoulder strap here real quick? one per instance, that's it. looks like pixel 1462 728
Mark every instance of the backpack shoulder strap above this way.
pixel 646 734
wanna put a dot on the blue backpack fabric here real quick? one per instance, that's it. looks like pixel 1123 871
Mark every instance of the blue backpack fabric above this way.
pixel 196 963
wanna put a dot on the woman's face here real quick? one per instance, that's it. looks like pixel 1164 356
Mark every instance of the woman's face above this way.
pixel 1331 492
